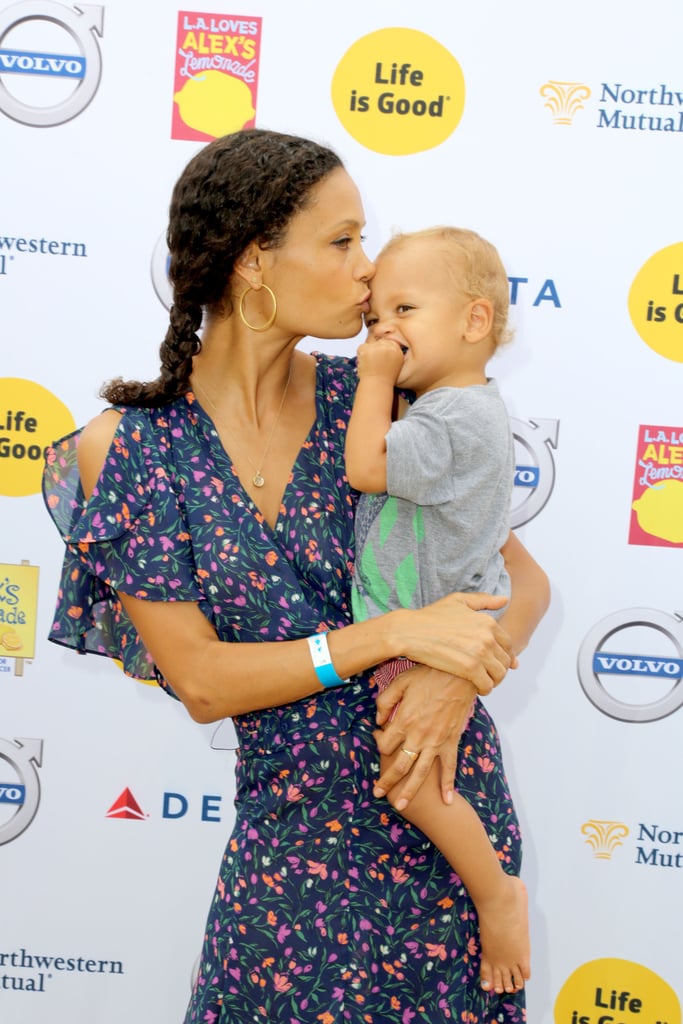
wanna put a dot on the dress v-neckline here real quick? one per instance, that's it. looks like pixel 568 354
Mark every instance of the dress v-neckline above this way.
pixel 212 433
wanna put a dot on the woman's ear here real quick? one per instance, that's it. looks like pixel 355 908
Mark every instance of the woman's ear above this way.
pixel 479 320
pixel 248 266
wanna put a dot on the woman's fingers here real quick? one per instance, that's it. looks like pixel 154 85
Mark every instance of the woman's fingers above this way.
pixel 408 770
pixel 428 721
pixel 457 636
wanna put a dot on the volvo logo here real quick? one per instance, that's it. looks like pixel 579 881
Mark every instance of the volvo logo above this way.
pixel 81 69
pixel 638 650
pixel 534 467
pixel 22 792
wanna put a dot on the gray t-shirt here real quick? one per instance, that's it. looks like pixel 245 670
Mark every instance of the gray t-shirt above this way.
pixel 445 516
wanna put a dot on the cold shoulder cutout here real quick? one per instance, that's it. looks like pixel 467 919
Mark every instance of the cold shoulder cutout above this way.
pixel 168 520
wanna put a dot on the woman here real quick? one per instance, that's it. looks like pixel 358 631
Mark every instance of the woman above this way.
pixel 225 575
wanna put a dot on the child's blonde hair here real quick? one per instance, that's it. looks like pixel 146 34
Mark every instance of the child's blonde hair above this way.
pixel 479 270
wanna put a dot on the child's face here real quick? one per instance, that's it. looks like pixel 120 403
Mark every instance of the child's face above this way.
pixel 416 302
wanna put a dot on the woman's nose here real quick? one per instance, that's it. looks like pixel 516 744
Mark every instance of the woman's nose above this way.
pixel 367 269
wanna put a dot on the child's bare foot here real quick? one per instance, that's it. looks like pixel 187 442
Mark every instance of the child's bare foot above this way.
pixel 504 931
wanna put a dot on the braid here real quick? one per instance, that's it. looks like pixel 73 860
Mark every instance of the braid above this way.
pixel 240 188
pixel 177 349
pixel 180 344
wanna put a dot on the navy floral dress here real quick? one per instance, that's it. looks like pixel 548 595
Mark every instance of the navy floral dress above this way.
pixel 329 907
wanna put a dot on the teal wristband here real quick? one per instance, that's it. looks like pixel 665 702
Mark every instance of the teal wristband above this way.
pixel 322 662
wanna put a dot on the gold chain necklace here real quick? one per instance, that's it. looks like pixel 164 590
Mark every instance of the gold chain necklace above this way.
pixel 258 479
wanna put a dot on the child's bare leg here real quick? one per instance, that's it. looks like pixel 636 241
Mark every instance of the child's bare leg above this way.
pixel 500 899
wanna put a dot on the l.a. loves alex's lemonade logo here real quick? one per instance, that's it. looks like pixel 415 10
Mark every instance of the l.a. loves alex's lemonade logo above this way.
pixel 31 417
pixel 216 75
pixel 657 504
pixel 655 302
pixel 610 991
pixel 398 91
pixel 18 606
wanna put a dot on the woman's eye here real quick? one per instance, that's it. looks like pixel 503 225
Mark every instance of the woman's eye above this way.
pixel 342 243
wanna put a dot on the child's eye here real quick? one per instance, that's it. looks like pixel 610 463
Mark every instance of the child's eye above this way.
pixel 370 321
pixel 404 308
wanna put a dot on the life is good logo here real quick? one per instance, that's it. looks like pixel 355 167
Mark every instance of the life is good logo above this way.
pixel 398 91
pixel 19 785
pixel 50 61
pixel 630 664
pixel 616 991
pixel 31 417
pixel 655 302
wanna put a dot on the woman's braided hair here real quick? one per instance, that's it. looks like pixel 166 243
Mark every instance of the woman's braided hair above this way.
pixel 240 188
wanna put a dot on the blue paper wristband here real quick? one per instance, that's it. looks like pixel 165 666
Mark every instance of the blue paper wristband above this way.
pixel 322 662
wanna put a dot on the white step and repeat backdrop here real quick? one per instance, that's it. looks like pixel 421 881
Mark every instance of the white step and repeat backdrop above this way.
pixel 557 132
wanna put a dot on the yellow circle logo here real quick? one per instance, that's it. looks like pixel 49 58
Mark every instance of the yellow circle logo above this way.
pixel 616 992
pixel 31 418
pixel 398 91
pixel 655 302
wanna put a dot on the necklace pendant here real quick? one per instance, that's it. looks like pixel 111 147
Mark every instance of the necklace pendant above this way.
pixel 257 480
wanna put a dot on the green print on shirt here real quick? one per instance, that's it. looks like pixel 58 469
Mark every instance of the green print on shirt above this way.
pixel 405 582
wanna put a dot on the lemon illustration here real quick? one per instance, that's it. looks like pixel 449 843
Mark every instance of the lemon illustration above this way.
pixel 215 104
pixel 660 511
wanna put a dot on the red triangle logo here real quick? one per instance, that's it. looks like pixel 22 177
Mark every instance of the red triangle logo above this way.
pixel 126 806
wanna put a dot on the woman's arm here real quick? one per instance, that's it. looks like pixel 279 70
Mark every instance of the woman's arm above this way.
pixel 215 679
pixel 434 706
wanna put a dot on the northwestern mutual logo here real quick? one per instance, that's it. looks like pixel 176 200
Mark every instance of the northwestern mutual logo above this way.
pixel 21 971
pixel 625 106
pixel 656 846
pixel 604 836
pixel 564 99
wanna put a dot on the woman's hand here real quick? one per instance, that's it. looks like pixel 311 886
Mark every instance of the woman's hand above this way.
pixel 432 713
pixel 453 636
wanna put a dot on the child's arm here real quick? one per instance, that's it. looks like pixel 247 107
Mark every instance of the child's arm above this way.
pixel 530 593
pixel 379 364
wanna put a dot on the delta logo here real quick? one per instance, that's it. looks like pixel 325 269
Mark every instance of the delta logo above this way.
pixel 174 806
pixel 216 75
pixel 126 807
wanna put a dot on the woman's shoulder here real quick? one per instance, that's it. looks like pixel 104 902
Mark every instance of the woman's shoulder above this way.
pixel 338 376
pixel 94 444
pixel 100 478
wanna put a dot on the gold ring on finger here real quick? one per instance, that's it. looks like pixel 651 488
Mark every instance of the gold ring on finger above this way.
pixel 412 754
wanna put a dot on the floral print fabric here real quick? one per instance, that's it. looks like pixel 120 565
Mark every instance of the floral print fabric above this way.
pixel 329 907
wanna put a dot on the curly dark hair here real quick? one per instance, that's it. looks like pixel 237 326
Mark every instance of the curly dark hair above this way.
pixel 239 189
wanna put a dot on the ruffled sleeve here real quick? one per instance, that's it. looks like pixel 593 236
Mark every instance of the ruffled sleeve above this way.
pixel 130 536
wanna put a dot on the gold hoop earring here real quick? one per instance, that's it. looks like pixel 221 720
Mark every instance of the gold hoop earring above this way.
pixel 271 319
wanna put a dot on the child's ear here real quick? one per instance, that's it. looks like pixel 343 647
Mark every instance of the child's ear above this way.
pixel 479 320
